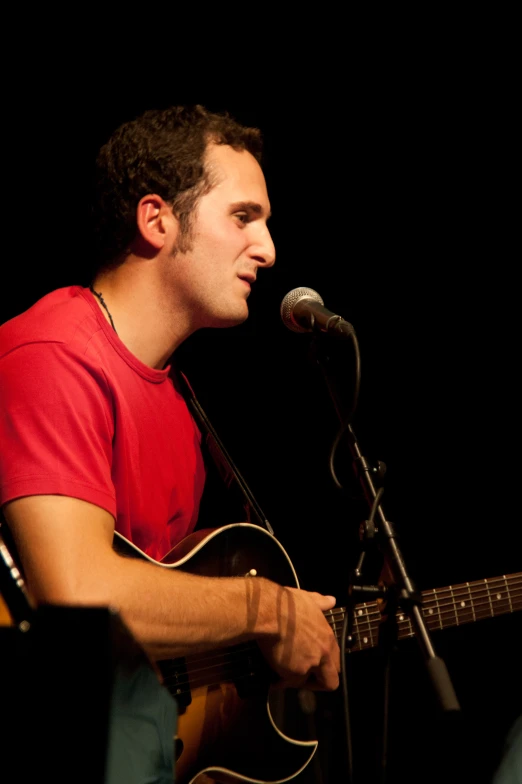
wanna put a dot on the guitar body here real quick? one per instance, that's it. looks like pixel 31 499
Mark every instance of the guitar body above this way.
pixel 227 729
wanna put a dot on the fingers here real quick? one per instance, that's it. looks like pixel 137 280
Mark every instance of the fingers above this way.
pixel 323 602
pixel 304 652
pixel 324 678
pixel 326 674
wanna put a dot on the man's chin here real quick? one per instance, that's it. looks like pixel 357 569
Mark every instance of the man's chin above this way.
pixel 230 320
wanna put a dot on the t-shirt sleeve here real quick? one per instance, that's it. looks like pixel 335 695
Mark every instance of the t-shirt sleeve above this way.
pixel 56 426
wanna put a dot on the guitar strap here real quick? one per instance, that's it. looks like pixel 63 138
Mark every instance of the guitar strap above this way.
pixel 224 463
pixel 13 589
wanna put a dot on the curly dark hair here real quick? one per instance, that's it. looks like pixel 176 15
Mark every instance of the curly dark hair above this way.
pixel 162 151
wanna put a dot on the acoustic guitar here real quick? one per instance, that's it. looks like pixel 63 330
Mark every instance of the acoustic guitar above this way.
pixel 228 713
pixel 227 726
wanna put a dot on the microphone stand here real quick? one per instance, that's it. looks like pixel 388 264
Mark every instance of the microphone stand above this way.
pixel 400 592
pixel 404 591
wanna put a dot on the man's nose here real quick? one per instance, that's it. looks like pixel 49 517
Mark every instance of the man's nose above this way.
pixel 264 250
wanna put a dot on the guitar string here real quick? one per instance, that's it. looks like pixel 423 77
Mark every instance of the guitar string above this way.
pixel 212 662
pixel 218 652
pixel 460 603
pixel 499 584
pixel 203 676
pixel 464 589
pixel 482 606
pixel 229 661
pixel 447 610
pixel 185 687
pixel 454 593
pixel 372 618
pixel 365 623
pixel 454 598
pixel 206 677
pixel 368 621
pixel 179 692
pixel 364 636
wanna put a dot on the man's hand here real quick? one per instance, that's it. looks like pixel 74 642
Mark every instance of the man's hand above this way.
pixel 304 652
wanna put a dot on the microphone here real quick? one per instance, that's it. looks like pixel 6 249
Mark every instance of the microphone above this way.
pixel 302 310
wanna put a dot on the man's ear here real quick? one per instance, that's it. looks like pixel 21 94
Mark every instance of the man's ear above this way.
pixel 155 221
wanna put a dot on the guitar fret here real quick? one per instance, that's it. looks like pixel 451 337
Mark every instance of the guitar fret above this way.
pixel 508 594
pixel 489 597
pixel 369 625
pixel 405 625
pixel 499 599
pixel 428 612
pixel 357 627
pixel 438 608
pixel 462 608
pixel 454 605
pixel 471 602
pixel 334 622
pixel 363 625
pixel 361 612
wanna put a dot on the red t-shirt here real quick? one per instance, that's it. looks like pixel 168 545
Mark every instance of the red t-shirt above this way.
pixel 83 417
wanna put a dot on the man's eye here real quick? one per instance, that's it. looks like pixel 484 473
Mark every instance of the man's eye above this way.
pixel 242 217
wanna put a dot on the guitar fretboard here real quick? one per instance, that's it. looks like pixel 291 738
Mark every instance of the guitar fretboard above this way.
pixel 453 605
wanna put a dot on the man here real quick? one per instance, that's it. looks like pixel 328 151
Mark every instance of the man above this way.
pixel 96 433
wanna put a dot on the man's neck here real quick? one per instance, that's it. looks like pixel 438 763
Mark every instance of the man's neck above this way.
pixel 141 316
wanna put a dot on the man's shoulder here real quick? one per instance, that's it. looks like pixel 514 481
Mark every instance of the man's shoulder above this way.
pixel 63 316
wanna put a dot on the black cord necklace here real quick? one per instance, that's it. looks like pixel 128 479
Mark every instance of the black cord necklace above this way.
pixel 102 301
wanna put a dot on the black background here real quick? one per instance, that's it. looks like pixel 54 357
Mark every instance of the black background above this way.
pixel 391 177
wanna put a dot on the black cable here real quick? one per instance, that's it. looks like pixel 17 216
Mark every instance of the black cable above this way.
pixel 347 634
pixel 346 424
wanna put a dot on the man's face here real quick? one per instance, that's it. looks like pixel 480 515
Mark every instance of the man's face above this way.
pixel 229 242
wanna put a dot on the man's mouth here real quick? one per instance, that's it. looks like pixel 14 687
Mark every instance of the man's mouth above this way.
pixel 248 280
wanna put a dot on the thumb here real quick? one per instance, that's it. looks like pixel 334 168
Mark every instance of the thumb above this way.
pixel 324 602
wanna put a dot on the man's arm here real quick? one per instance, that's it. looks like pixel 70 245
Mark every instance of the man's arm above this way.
pixel 65 546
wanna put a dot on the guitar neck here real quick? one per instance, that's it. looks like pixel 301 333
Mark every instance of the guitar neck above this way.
pixel 453 605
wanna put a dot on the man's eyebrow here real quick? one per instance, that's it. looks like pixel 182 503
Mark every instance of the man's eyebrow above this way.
pixel 250 206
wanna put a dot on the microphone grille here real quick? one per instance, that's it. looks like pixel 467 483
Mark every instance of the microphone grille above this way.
pixel 289 301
